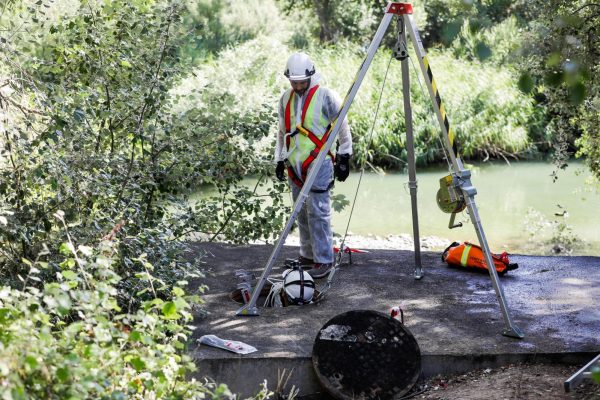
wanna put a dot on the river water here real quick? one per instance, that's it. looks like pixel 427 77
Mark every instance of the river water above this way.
pixel 522 210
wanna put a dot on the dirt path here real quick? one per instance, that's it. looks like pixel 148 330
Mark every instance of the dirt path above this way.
pixel 517 382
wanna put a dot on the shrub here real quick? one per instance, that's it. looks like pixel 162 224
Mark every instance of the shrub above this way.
pixel 498 44
pixel 71 339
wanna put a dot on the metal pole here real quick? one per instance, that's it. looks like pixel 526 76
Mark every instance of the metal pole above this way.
pixel 584 373
pixel 463 175
pixel 250 309
pixel 402 54
pixel 510 329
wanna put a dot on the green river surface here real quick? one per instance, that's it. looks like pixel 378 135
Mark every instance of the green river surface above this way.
pixel 518 205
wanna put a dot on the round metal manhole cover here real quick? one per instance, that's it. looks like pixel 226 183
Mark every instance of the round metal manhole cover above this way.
pixel 366 355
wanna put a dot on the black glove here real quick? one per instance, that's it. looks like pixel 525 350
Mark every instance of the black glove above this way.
pixel 280 171
pixel 342 166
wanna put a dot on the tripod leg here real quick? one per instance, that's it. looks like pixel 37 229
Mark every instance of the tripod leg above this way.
pixel 251 309
pixel 402 53
pixel 464 175
pixel 510 329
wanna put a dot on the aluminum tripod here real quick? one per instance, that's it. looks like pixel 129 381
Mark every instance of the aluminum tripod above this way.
pixel 461 176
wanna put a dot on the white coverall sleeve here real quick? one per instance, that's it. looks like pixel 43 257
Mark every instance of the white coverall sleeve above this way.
pixel 332 104
pixel 279 145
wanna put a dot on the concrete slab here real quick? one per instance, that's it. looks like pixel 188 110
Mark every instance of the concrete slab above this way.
pixel 453 314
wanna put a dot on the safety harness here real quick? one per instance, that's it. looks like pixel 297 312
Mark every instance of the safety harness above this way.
pixel 300 129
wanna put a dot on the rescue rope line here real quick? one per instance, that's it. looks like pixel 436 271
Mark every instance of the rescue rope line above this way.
pixel 431 120
pixel 362 167
pixel 327 285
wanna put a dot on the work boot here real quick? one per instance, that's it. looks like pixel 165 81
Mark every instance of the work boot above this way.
pixel 304 261
pixel 300 261
pixel 319 270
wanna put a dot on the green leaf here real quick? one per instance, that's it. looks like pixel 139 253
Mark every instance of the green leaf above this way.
pixel 68 263
pixel 526 83
pixel 66 249
pixel 69 275
pixel 169 310
pixel 339 202
pixel 4 315
pixel 62 374
pixel 577 93
pixel 135 336
pixel 31 362
pixel 138 364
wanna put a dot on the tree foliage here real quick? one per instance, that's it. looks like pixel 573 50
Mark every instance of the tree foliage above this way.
pixel 90 132
pixel 334 19
pixel 562 71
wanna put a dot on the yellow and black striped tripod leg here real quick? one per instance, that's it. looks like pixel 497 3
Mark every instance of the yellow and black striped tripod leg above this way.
pixel 462 175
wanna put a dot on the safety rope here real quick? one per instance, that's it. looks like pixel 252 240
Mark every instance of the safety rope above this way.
pixel 362 167
pixel 432 121
pixel 342 247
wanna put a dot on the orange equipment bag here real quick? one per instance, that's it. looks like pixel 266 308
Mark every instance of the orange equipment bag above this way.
pixel 469 255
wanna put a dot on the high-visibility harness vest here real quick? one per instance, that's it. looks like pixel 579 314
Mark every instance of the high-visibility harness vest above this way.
pixel 308 137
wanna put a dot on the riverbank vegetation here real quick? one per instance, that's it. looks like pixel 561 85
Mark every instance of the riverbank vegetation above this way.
pixel 111 113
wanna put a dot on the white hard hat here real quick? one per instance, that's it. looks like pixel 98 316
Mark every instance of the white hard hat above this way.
pixel 299 67
pixel 299 286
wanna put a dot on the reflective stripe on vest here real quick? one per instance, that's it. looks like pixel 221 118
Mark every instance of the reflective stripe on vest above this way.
pixel 464 258
pixel 310 134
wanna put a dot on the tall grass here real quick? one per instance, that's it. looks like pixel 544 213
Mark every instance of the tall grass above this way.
pixel 503 41
pixel 218 24
pixel 490 116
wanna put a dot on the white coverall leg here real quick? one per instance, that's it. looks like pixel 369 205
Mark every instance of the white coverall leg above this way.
pixel 314 219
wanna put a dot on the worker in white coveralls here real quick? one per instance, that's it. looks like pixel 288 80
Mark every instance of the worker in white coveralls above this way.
pixel 306 112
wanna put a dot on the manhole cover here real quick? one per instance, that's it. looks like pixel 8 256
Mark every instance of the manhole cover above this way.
pixel 366 355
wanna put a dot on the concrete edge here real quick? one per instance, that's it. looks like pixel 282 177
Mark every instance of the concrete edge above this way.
pixel 245 375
